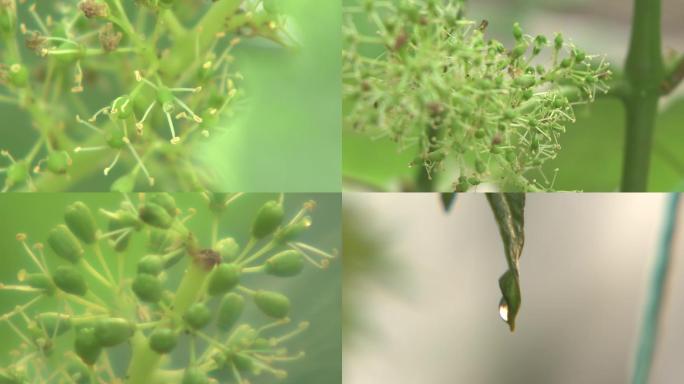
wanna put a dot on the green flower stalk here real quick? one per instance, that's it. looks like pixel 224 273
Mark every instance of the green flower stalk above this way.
pixel 167 66
pixel 430 80
pixel 89 318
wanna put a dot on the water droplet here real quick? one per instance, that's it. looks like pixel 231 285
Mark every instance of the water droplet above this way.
pixel 503 309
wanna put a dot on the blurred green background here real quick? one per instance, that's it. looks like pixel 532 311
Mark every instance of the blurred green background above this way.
pixel 315 294
pixel 283 136
pixel 592 148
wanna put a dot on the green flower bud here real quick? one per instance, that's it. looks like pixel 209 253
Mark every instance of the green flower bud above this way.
pixel 223 278
pixel 165 98
pixel 519 50
pixel 148 288
pixel 151 265
pixel 114 136
pixel 18 75
pixel 197 316
pixel 86 346
pixel 155 215
pixel 217 200
pixel 65 244
pixel 285 264
pixel 558 41
pixel 81 222
pixel 165 201
pixel 163 340
pixel 566 63
pixel 268 219
pixel 123 219
pixel 228 248
pixel 70 280
pixel 124 184
pixel 58 162
pixel 17 173
pixel 39 281
pixel 292 231
pixel 113 331
pixel 194 375
pixel 242 362
pixel 229 311
pixel 122 108
pixel 579 55
pixel 524 81
pixel 480 166
pixel 272 304
pixel 54 324
pixel 517 31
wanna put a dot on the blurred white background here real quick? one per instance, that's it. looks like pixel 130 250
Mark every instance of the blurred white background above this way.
pixel 584 274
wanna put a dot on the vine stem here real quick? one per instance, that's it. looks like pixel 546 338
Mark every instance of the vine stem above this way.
pixel 653 309
pixel 145 362
pixel 644 75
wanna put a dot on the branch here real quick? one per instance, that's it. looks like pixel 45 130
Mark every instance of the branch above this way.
pixel 654 307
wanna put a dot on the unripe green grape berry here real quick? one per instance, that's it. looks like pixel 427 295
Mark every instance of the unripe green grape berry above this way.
pixel 155 215
pixel 229 310
pixel 269 217
pixel 58 162
pixel 113 331
pixel 197 316
pixel 40 281
pixel 53 323
pixel 70 280
pixel 81 222
pixel 151 265
pixel 164 200
pixel 18 75
pixel 292 231
pixel 272 304
pixel 163 340
pixel 194 375
pixel 285 264
pixel 228 248
pixel 86 346
pixel 17 173
pixel 147 288
pixel 223 278
pixel 65 244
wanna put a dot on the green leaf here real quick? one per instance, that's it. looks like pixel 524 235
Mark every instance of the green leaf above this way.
pixel 509 212
pixel 448 199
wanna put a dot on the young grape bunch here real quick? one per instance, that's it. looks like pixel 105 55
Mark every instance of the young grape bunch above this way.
pixel 422 75
pixel 130 91
pixel 98 310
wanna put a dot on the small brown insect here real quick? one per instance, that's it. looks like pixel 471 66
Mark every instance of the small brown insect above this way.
pixel 207 258
pixel 483 25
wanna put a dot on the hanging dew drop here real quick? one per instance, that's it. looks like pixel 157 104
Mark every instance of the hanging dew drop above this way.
pixel 503 309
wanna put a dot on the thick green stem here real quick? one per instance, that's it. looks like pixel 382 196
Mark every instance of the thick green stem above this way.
pixel 653 309
pixel 644 75
pixel 145 362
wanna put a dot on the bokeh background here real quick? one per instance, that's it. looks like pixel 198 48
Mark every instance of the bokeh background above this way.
pixel 284 135
pixel 421 293
pixel 591 158
pixel 315 294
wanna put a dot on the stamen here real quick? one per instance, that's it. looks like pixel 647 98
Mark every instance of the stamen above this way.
pixel 150 179
pixel 109 168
